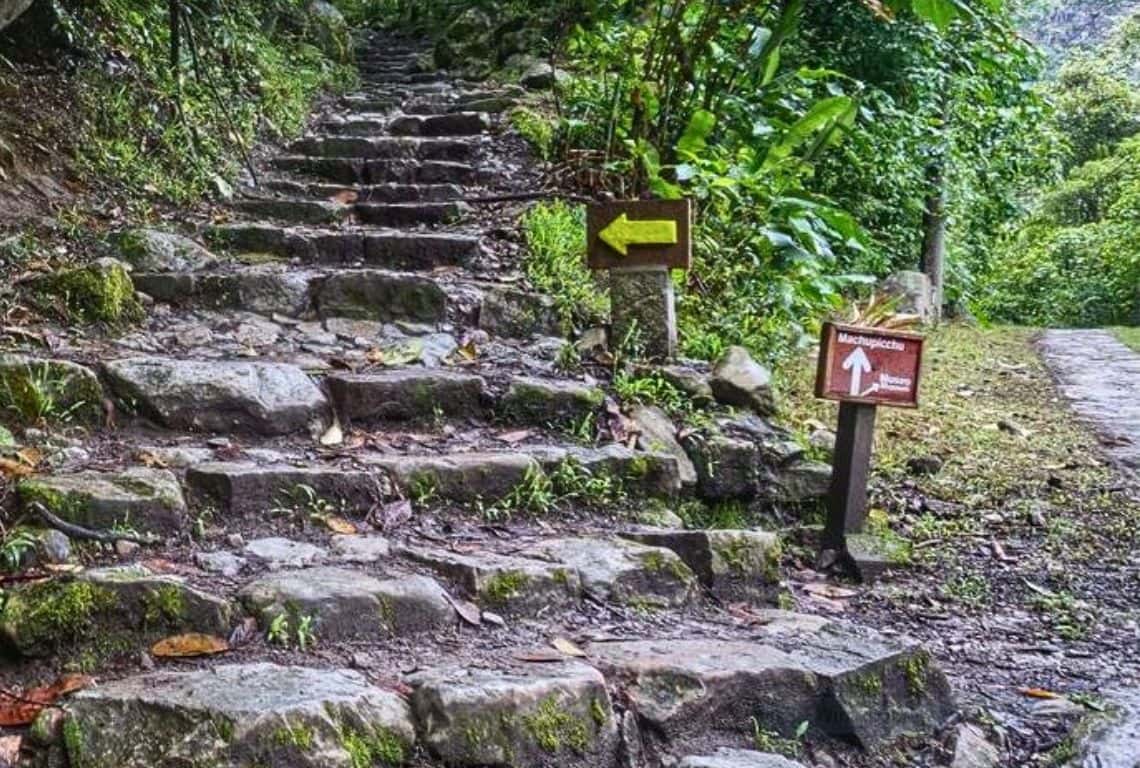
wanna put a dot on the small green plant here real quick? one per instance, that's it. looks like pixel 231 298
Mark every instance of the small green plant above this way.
pixel 278 632
pixel 304 501
pixel 569 358
pixel 556 239
pixel 1071 618
pixel 969 589
pixel 537 129
pixel 423 488
pixel 14 547
pixel 305 635
pixel 39 393
pixel 770 741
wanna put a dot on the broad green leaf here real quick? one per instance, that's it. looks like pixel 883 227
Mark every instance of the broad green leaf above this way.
pixel 823 114
pixel 697 133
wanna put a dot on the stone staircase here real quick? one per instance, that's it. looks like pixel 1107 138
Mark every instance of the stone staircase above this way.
pixel 361 467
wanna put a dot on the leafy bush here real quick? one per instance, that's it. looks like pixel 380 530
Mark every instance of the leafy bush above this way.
pixel 1095 109
pixel 555 263
pixel 170 128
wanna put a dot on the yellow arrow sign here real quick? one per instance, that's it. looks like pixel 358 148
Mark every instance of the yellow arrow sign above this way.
pixel 622 233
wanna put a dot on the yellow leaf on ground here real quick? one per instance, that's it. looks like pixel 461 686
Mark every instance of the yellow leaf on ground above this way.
pixel 186 646
pixel 341 526
pixel 568 648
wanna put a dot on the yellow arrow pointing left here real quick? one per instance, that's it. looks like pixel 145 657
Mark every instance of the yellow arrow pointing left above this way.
pixel 622 233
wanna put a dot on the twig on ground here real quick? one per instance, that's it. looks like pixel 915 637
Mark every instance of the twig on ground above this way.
pixel 79 532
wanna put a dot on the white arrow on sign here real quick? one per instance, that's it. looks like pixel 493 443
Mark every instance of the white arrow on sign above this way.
pixel 858 364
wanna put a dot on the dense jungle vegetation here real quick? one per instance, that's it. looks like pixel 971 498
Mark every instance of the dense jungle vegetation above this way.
pixel 828 143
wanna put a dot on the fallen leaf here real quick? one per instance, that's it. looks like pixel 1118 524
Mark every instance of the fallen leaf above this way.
pixel 334 435
pixel 516 436
pixel 469 612
pixel 345 196
pixel 1038 693
pixel 830 591
pixel 148 459
pixel 403 353
pixel 187 646
pixel 14 468
pixel 30 456
pixel 23 708
pixel 10 751
pixel 565 646
pixel 341 526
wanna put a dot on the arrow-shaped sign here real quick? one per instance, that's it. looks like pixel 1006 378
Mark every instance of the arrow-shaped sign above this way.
pixel 858 364
pixel 621 233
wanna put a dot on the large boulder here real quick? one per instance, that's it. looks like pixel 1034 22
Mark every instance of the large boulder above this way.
pixel 329 28
pixel 264 398
pixel 248 714
pixel 913 293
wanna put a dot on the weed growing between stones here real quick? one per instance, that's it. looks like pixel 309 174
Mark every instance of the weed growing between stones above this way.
pixel 556 239
pixel 552 727
pixel 770 741
pixel 164 605
pixel 504 586
pixel 535 128
pixel 40 393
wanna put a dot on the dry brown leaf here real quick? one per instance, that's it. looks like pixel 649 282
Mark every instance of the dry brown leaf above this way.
pixel 829 591
pixel 188 646
pixel 469 612
pixel 334 435
pixel 516 436
pixel 565 646
pixel 12 468
pixel 23 708
pixel 1039 693
pixel 341 526
pixel 30 456
pixel 148 459
pixel 345 197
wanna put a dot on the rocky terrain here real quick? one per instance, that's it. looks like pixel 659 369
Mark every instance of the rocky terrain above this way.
pixel 374 510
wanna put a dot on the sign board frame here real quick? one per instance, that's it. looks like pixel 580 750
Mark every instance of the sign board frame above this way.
pixel 678 255
pixel 828 362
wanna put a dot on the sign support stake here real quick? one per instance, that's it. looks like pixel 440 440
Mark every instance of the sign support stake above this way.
pixel 847 500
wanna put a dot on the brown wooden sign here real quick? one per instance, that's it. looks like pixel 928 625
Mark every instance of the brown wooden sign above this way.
pixel 640 233
pixel 875 366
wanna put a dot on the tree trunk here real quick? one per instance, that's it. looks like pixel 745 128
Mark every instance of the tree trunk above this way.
pixel 175 36
pixel 934 237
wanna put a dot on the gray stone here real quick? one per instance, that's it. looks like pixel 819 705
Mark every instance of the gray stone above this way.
pixel 799 482
pixel 740 381
pixel 658 517
pixel 350 605
pixel 643 313
pixel 140 498
pixel 913 293
pixel 728 562
pixel 640 473
pixel 458 477
pixel 278 552
pixel 541 76
pixel 405 394
pixel 271 288
pixel 151 250
pixel 540 401
pixel 225 564
pixel 873 556
pixel 622 571
pixel 515 314
pixel 727 467
pixel 690 381
pixel 248 488
pixel 74 389
pixel 659 434
pixel 225 714
pixel 264 398
pixel 509 585
pixel 385 296
pixel 257 333
pixel 726 757
pixel 330 29
pixel 972 750
pixel 52 547
pixel 360 549
pixel 553 715
pixel 849 682
pixel 115 606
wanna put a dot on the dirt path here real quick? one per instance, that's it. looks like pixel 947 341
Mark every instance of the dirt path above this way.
pixel 1101 378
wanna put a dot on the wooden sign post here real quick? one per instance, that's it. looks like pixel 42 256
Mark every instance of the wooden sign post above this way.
pixel 862 368
pixel 638 242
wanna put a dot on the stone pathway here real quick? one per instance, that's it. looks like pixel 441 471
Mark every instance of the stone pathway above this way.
pixel 1100 376
pixel 424 541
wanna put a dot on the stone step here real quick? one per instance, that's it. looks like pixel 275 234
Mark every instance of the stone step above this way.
pixel 117 610
pixel 381 171
pixel 367 104
pixel 371 148
pixel 340 605
pixel 373 294
pixel 252 488
pixel 143 499
pixel 406 394
pixel 374 193
pixel 732 564
pixel 411 214
pixel 392 249
pixel 219 395
pixel 452 124
pixel 551 715
pixel 844 680
pixel 302 212
pixel 224 714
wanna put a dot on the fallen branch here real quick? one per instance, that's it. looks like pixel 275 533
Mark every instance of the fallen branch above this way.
pixel 79 532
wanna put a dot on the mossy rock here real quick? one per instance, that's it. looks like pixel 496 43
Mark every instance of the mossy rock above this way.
pixel 107 611
pixel 33 390
pixel 151 250
pixel 138 499
pixel 101 292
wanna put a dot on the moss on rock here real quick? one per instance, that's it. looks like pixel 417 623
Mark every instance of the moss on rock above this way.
pixel 99 292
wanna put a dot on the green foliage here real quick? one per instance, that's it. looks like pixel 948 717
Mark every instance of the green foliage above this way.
pixel 555 262
pixel 537 129
pixel 1096 109
pixel 245 68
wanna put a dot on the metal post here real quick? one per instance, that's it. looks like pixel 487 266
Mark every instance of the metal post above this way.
pixel 847 501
